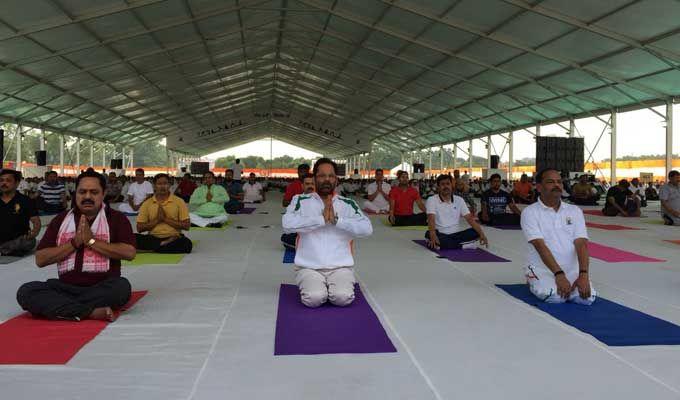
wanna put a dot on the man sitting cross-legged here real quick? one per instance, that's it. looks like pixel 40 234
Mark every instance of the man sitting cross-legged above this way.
pixel 558 262
pixel 327 224
pixel 444 211
pixel 253 192
pixel 17 213
pixel 207 203
pixel 87 244
pixel 378 195
pixel 402 199
pixel 289 240
pixel 494 203
pixel 137 192
pixel 670 199
pixel 621 201
pixel 164 216
pixel 584 193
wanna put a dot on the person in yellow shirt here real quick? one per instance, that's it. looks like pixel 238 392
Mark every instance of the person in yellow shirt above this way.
pixel 164 216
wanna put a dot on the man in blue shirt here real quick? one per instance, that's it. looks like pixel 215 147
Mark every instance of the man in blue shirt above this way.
pixel 494 204
pixel 235 191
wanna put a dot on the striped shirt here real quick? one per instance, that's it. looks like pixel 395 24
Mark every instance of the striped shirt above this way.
pixel 51 194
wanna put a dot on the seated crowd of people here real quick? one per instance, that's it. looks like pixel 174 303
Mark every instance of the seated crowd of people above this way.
pixel 89 237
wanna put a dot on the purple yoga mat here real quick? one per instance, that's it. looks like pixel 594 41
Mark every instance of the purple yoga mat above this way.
pixel 472 255
pixel 246 210
pixel 328 329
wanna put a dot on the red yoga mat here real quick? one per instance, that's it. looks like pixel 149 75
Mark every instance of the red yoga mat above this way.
pixel 594 212
pixel 28 340
pixel 613 255
pixel 673 241
pixel 608 227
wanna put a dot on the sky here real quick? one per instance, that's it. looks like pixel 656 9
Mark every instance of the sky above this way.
pixel 640 132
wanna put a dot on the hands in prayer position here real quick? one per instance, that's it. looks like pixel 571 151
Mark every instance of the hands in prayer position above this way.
pixel 328 211
pixel 83 233
pixel 209 196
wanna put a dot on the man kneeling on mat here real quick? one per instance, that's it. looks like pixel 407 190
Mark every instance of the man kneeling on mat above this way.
pixel 87 244
pixel 289 240
pixel 444 211
pixel 326 224
pixel 402 199
pixel 164 216
pixel 494 202
pixel 558 263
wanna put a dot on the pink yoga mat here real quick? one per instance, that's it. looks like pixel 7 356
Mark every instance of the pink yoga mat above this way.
pixel 613 255
pixel 609 227
pixel 28 340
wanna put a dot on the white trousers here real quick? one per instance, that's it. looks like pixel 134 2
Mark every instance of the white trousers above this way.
pixel 125 208
pixel 320 285
pixel 376 208
pixel 203 221
pixel 542 284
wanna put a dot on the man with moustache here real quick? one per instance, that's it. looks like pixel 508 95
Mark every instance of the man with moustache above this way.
pixel 444 212
pixel 558 266
pixel 289 240
pixel 87 244
pixel 378 195
pixel 494 203
pixel 164 216
pixel 17 213
pixel 137 193
pixel 326 224
pixel 207 203
pixel 402 199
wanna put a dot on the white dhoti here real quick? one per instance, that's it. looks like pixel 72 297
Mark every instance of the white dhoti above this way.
pixel 376 206
pixel 320 285
pixel 125 208
pixel 542 284
pixel 205 221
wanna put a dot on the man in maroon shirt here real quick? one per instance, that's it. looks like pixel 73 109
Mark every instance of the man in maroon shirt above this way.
pixel 402 198
pixel 186 188
pixel 89 284
pixel 295 187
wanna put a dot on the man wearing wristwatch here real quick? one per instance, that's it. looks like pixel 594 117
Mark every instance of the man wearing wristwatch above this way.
pixel 326 224
pixel 87 244
pixel 558 265
pixel 17 213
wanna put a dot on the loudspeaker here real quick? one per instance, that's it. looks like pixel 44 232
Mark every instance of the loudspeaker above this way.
pixel 199 167
pixel 342 170
pixel 563 154
pixel 418 168
pixel 495 160
pixel 183 169
pixel 116 163
pixel 41 158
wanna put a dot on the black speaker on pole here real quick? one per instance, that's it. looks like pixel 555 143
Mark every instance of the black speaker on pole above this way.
pixel 199 167
pixel 41 158
pixel 495 160
pixel 2 148
pixel 116 163
pixel 418 168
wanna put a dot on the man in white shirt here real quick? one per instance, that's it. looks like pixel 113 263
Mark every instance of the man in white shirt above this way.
pixel 253 191
pixel 670 199
pixel 378 195
pixel 558 261
pixel 444 211
pixel 137 193
pixel 326 224
pixel 237 168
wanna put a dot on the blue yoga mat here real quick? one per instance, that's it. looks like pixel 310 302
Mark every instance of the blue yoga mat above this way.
pixel 611 323
pixel 289 256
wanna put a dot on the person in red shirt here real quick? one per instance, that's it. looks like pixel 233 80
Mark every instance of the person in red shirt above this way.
pixel 402 198
pixel 296 186
pixel 289 240
pixel 87 244
pixel 186 188
pixel 522 191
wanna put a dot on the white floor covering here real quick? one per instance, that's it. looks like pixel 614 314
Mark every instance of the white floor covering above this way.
pixel 206 328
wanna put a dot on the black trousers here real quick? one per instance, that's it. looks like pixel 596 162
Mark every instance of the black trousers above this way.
pixel 289 240
pixel 454 240
pixel 410 220
pixel 181 245
pixel 54 299
pixel 500 219
pixel 18 247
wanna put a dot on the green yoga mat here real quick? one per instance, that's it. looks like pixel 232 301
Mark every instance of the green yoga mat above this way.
pixel 200 228
pixel 654 221
pixel 154 258
pixel 405 228
pixel 157 258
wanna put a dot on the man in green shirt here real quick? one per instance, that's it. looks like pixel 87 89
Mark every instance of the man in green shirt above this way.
pixel 207 203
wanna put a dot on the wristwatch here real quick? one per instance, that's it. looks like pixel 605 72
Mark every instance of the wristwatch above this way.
pixel 90 242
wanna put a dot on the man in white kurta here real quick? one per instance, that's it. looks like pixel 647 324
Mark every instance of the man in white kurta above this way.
pixel 137 193
pixel 378 195
pixel 326 225
pixel 557 270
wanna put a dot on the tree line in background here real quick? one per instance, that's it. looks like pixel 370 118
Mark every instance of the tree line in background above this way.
pixel 262 163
